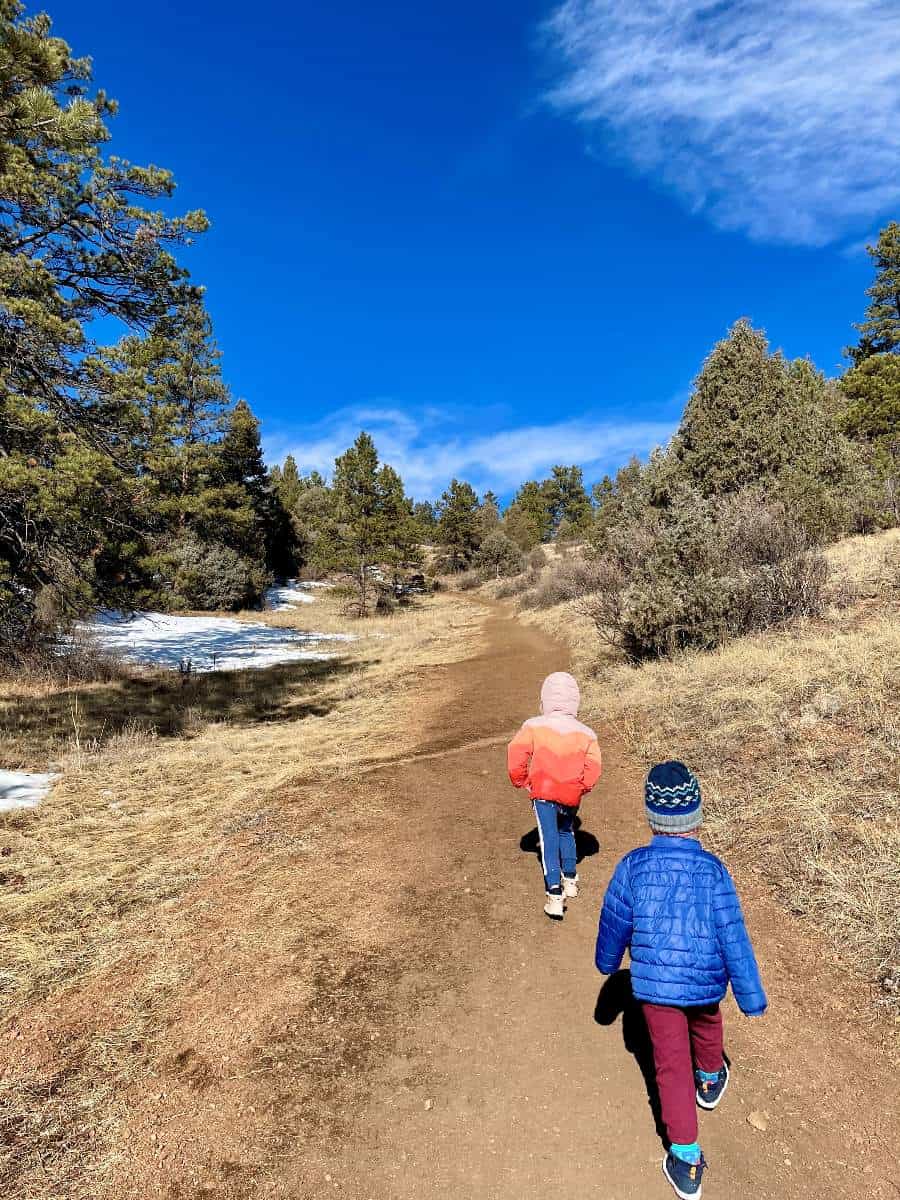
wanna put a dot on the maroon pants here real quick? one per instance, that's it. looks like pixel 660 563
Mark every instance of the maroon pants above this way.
pixel 683 1039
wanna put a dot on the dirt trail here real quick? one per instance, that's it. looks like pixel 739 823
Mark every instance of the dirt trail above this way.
pixel 518 1079
pixel 366 1000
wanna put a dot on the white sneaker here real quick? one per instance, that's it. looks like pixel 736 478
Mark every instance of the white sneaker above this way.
pixel 555 907
pixel 570 887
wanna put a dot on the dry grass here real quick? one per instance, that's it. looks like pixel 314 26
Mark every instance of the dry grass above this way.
pixel 795 734
pixel 155 777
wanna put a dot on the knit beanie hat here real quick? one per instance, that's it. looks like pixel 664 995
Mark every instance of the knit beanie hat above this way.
pixel 672 799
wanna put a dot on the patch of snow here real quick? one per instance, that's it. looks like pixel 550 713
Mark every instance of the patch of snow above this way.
pixel 294 592
pixel 207 643
pixel 23 789
pixel 290 596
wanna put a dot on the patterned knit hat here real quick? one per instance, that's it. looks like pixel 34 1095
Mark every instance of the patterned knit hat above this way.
pixel 672 799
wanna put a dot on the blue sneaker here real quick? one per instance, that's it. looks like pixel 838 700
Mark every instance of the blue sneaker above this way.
pixel 711 1091
pixel 684 1177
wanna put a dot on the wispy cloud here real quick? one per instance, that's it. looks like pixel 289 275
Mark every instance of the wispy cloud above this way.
pixel 781 120
pixel 429 451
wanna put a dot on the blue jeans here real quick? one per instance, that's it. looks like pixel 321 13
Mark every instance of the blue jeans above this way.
pixel 556 829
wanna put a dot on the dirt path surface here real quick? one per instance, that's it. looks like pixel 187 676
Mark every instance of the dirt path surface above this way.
pixel 366 1000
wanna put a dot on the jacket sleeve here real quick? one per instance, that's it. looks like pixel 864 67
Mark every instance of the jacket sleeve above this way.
pixel 737 951
pixel 593 764
pixel 616 922
pixel 518 757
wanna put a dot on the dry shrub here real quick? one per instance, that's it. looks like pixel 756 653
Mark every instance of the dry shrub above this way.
pixel 567 579
pixel 467 581
pixel 510 588
pixel 698 572
pixel 79 661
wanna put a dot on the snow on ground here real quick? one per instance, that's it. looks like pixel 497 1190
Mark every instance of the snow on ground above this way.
pixel 289 596
pixel 23 789
pixel 207 643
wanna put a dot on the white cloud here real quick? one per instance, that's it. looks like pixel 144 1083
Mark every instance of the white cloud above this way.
pixel 429 451
pixel 778 120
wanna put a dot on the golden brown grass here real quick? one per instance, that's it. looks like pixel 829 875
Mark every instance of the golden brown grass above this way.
pixel 795 734
pixel 155 775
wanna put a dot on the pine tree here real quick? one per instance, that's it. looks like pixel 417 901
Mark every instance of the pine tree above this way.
pixel 426 519
pixel 358 495
pixel 871 417
pixel 529 520
pixel 402 534
pixel 754 419
pixel 880 331
pixel 567 501
pixel 488 515
pixel 76 244
pixel 243 469
pixel 288 484
pixel 458 530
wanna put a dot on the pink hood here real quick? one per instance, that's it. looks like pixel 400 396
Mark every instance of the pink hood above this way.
pixel 560 694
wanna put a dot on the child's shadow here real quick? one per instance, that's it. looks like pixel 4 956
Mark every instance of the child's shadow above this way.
pixel 586 845
pixel 616 998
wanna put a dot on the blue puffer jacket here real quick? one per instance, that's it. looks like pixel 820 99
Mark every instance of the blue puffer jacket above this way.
pixel 675 905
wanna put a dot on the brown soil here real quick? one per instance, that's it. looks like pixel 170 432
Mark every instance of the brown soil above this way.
pixel 367 1000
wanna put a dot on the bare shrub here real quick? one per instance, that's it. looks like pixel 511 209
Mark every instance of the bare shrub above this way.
pixel 467 581
pixel 517 585
pixel 568 579
pixel 55 662
pixel 698 571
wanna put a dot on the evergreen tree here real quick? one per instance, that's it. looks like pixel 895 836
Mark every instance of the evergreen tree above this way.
pixel 499 556
pixel 488 515
pixel 359 497
pixel 240 451
pixel 426 519
pixel 242 466
pixel 288 483
pixel 401 533
pixel 76 244
pixel 458 524
pixel 871 417
pixel 880 331
pixel 755 420
pixel 567 501
pixel 872 390
pixel 520 527
pixel 528 520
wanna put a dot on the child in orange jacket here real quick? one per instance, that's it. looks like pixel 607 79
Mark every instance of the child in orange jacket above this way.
pixel 558 760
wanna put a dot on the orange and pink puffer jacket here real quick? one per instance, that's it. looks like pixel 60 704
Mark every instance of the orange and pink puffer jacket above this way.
pixel 554 755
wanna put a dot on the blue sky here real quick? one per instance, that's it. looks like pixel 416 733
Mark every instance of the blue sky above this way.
pixel 505 234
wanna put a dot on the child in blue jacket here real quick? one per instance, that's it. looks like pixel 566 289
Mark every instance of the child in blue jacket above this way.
pixel 674 906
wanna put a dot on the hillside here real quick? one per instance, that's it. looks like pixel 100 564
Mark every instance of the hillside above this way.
pixel 795 733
